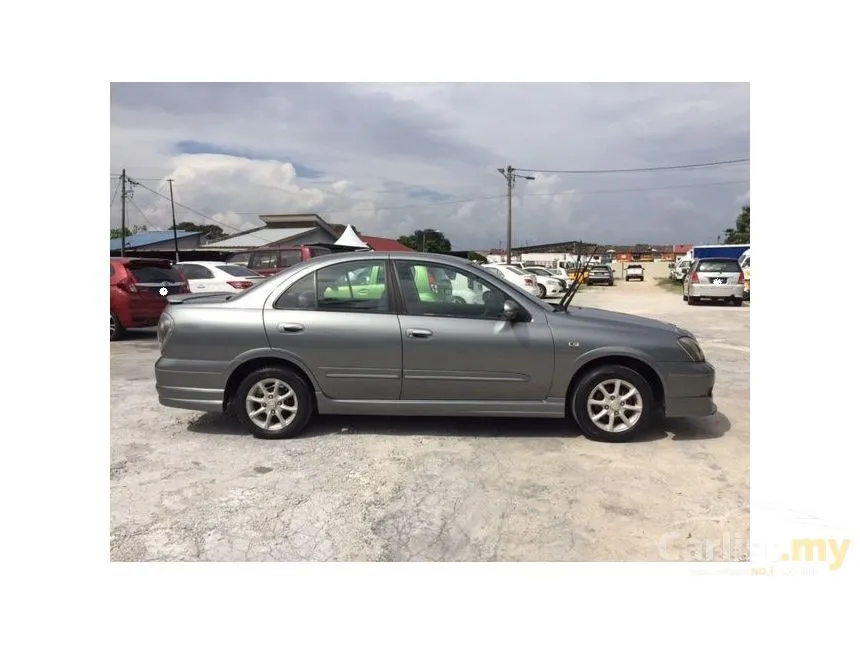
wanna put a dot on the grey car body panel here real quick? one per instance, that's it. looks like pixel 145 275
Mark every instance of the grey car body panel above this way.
pixel 371 363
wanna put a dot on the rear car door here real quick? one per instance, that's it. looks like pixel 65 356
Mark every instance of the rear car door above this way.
pixel 350 341
pixel 460 351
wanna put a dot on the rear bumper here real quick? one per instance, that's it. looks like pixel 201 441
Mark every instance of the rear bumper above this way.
pixel 689 389
pixel 716 290
pixel 188 390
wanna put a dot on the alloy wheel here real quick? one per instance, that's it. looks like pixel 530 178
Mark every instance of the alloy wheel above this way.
pixel 614 405
pixel 271 404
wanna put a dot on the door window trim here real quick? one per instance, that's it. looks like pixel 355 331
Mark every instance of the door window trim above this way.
pixel 401 301
pixel 392 304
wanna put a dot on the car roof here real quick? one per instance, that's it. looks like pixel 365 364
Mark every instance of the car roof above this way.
pixel 128 260
pixel 208 263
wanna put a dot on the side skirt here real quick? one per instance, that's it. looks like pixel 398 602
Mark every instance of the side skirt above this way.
pixel 547 408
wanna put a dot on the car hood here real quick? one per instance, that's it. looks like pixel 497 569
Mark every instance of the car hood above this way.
pixel 603 317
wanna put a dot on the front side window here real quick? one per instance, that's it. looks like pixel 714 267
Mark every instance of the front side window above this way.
pixel 349 286
pixel 434 290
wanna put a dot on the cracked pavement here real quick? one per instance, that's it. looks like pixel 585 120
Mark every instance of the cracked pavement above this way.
pixel 188 486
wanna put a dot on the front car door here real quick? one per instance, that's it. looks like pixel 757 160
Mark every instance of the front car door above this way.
pixel 467 351
pixel 346 334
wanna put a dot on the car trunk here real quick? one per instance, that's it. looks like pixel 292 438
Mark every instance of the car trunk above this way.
pixel 718 273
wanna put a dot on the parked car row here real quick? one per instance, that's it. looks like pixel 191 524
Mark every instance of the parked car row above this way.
pixel 139 287
pixel 714 279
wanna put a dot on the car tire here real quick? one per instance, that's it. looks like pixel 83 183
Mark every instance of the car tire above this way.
pixel 684 297
pixel 691 300
pixel 269 382
pixel 116 329
pixel 738 302
pixel 541 291
pixel 612 381
pixel 457 300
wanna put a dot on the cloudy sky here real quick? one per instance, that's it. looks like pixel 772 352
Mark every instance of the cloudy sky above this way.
pixel 393 158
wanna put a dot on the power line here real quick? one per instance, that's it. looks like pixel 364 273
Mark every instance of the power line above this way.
pixel 145 218
pixel 651 169
pixel 637 190
pixel 115 191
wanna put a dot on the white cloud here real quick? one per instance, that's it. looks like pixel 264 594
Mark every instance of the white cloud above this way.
pixel 368 155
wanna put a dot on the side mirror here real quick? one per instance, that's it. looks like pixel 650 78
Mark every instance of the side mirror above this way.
pixel 511 311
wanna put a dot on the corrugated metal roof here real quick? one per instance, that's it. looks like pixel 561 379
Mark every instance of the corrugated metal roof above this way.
pixel 259 237
pixel 148 237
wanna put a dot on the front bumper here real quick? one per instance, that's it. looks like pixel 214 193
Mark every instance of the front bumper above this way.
pixel 689 389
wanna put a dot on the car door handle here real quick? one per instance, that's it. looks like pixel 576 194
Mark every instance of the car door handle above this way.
pixel 419 333
pixel 290 328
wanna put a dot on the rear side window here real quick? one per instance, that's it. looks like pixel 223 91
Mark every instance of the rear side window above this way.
pixel 239 272
pixel 291 257
pixel 264 260
pixel 316 251
pixel 240 258
pixel 195 272
pixel 145 274
pixel 719 266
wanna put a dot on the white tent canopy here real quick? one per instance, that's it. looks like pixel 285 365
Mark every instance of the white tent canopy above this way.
pixel 350 238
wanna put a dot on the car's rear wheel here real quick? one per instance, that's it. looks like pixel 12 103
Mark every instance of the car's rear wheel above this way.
pixel 738 302
pixel 541 291
pixel 273 403
pixel 613 403
pixel 684 297
pixel 692 300
pixel 116 328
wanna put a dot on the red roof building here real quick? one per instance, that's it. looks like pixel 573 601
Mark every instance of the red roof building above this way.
pixel 383 244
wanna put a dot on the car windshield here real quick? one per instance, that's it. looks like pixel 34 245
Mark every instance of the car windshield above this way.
pixel 238 271
pixel 718 266
pixel 538 271
pixel 634 266
pixel 514 269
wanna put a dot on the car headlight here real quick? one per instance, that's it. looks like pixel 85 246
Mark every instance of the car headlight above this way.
pixel 692 349
pixel 165 328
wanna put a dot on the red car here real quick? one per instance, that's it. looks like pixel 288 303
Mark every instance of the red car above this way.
pixel 274 259
pixel 138 290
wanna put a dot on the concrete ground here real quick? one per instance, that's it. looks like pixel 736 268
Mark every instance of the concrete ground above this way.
pixel 192 486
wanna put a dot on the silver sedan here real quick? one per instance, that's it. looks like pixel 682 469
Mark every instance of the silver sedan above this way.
pixel 377 333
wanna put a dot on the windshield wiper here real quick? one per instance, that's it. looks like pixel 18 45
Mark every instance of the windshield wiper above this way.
pixel 580 272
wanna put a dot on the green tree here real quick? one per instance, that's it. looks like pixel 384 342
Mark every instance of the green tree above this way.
pixel 740 234
pixel 212 231
pixel 116 233
pixel 428 240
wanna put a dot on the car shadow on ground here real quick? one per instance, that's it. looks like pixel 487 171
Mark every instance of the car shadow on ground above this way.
pixel 676 429
pixel 147 333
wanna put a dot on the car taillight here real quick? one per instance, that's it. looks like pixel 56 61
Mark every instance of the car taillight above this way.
pixel 240 284
pixel 529 282
pixel 694 278
pixel 127 285
pixel 184 288
pixel 741 278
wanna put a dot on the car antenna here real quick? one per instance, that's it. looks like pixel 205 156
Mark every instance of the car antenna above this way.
pixel 580 272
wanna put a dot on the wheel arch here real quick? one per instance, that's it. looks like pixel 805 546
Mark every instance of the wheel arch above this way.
pixel 252 364
pixel 636 363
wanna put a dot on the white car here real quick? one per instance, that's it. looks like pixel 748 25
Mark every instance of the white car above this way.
pixel 548 284
pixel 218 277
pixel 518 277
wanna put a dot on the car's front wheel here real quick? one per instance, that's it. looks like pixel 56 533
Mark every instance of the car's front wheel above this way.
pixel 612 403
pixel 541 291
pixel 273 403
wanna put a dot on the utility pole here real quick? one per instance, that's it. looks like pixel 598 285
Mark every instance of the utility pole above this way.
pixel 173 216
pixel 510 177
pixel 123 178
